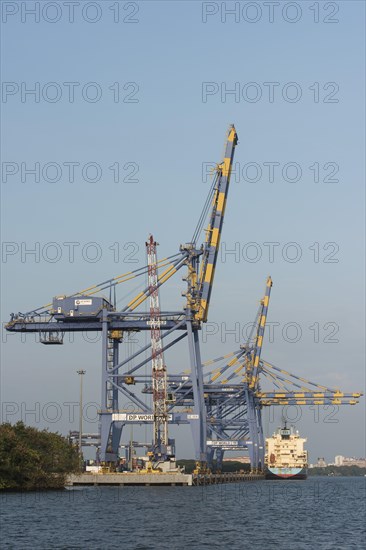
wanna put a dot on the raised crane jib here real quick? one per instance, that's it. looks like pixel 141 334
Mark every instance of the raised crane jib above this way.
pixel 253 368
pixel 214 229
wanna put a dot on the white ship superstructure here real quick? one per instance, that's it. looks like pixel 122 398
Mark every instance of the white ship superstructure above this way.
pixel 285 454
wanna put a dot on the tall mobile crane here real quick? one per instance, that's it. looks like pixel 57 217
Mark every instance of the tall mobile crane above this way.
pixel 159 373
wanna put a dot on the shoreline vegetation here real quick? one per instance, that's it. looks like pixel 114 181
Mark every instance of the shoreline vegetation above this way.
pixel 32 459
pixel 336 471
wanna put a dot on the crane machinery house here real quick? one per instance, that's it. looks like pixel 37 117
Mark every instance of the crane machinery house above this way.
pixel 79 307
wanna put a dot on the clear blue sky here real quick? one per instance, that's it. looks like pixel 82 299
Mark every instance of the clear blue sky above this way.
pixel 168 133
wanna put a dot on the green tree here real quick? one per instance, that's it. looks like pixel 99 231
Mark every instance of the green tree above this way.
pixel 34 459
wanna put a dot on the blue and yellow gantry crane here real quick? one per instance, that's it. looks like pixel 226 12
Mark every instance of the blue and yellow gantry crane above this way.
pixel 222 405
pixel 86 311
pixel 235 400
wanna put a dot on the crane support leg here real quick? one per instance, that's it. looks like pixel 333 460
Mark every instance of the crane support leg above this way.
pixel 105 417
pixel 219 459
pixel 253 432
pixel 110 432
pixel 261 446
pixel 210 457
pixel 198 423
pixel 105 454
pixel 116 437
pixel 113 364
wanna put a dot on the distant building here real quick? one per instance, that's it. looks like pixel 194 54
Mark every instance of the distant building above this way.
pixel 340 460
pixel 360 462
pixel 349 461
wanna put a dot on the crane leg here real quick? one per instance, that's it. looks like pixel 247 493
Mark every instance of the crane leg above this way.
pixel 219 459
pixel 210 456
pixel 198 423
pixel 261 446
pixel 253 432
pixel 110 431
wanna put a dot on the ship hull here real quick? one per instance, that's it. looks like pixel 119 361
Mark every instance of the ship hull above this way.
pixel 286 473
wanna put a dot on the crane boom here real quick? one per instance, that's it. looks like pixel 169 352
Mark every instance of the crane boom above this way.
pixel 252 370
pixel 214 229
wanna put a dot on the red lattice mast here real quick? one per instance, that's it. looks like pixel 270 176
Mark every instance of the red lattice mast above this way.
pixel 159 375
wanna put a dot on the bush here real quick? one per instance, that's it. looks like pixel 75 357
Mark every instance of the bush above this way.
pixel 34 459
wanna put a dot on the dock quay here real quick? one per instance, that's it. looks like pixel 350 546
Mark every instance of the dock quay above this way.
pixel 173 479
pixel 228 477
pixel 128 478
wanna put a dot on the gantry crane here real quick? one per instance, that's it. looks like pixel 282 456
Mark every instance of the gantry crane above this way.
pixel 223 406
pixel 86 311
pixel 235 400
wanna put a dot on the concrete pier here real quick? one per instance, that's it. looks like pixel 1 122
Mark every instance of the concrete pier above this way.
pixel 129 478
pixel 161 478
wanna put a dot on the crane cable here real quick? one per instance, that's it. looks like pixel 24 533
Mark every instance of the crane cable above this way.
pixel 205 209
pixel 109 282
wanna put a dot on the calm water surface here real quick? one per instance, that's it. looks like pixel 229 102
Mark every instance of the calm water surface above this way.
pixel 320 513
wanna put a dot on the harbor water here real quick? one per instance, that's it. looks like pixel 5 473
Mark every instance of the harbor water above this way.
pixel 322 513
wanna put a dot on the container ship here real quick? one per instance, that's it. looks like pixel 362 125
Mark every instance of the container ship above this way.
pixel 285 455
